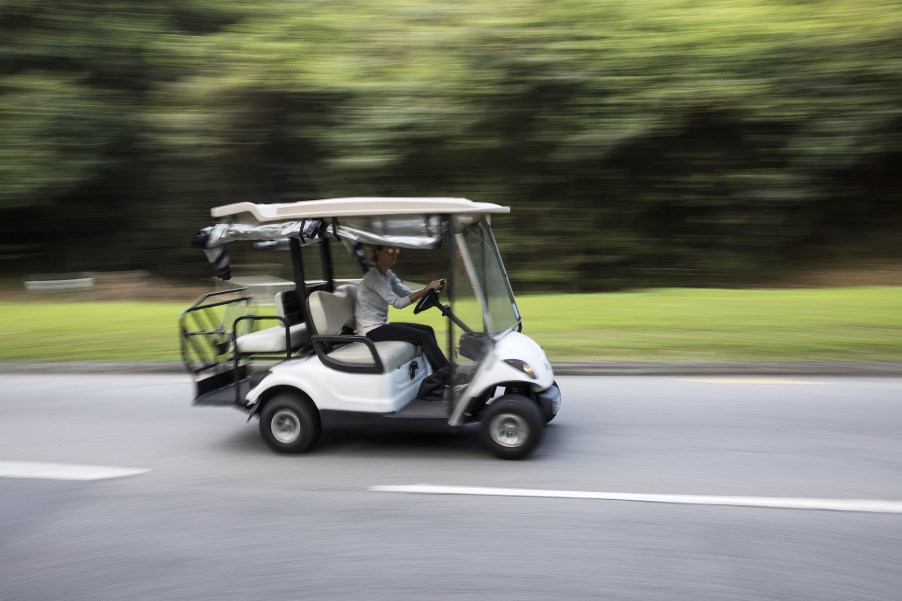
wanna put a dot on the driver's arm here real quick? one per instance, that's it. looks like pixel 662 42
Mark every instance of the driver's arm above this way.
pixel 433 285
pixel 392 291
pixel 398 287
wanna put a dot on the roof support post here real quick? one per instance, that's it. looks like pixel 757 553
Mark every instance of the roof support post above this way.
pixel 297 270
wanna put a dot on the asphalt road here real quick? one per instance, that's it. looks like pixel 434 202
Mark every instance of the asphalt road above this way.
pixel 219 516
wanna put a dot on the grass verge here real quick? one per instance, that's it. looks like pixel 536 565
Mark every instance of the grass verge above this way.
pixel 837 324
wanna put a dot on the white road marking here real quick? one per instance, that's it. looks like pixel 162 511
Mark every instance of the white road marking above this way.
pixel 770 381
pixel 864 505
pixel 64 471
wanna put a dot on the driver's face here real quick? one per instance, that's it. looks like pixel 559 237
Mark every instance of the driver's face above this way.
pixel 388 255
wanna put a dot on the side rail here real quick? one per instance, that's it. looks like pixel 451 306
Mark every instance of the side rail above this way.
pixel 205 328
pixel 238 354
pixel 259 318
pixel 324 345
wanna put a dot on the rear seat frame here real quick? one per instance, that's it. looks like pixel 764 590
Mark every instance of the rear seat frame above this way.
pixel 286 323
pixel 282 322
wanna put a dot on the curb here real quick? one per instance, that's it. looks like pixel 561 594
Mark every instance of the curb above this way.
pixel 800 368
pixel 613 368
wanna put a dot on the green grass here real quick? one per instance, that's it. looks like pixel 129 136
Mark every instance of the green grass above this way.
pixel 840 324
pixel 843 324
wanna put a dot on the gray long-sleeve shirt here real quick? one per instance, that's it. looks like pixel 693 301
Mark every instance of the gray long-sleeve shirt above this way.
pixel 374 294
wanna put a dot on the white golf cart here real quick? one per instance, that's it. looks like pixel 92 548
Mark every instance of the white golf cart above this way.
pixel 303 369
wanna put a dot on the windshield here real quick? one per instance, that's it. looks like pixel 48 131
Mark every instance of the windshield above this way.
pixel 488 278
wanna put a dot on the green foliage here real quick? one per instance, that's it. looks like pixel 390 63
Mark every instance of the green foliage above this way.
pixel 55 138
pixel 661 141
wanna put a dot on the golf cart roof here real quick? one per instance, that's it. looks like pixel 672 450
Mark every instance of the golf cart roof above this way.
pixel 356 207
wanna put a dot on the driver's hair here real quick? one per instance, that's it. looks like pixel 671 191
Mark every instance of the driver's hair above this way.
pixel 372 248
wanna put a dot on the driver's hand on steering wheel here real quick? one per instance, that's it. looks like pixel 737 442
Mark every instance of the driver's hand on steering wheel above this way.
pixel 436 285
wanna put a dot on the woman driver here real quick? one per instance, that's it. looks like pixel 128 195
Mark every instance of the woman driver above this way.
pixel 381 287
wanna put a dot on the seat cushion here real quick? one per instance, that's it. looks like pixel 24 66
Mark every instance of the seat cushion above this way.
pixel 393 353
pixel 272 340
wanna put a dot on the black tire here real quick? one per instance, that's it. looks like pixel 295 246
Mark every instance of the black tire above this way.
pixel 289 424
pixel 512 426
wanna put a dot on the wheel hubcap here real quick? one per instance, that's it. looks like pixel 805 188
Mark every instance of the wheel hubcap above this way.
pixel 285 426
pixel 509 430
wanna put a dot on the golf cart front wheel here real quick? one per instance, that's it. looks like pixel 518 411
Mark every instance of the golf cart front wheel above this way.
pixel 289 424
pixel 512 426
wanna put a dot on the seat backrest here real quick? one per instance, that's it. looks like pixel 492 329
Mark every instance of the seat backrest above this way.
pixel 331 312
pixel 288 307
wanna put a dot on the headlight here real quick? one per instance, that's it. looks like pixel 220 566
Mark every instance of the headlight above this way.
pixel 523 366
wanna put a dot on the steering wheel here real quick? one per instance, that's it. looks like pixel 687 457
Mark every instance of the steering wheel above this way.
pixel 427 301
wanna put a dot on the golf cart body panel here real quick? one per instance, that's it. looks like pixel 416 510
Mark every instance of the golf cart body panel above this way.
pixel 315 368
pixel 516 352
pixel 339 391
pixel 512 360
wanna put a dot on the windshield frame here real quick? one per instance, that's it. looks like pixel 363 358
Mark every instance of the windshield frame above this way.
pixel 488 280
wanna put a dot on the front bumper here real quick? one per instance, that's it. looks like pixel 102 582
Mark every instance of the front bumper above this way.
pixel 550 400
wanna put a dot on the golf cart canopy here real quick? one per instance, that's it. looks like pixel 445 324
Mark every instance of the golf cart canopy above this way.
pixel 354 207
pixel 404 222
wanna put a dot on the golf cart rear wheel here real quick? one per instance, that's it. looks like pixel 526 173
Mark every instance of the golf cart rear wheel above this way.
pixel 289 424
pixel 512 426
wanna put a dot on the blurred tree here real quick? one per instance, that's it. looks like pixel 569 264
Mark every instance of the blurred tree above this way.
pixel 663 142
pixel 74 82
